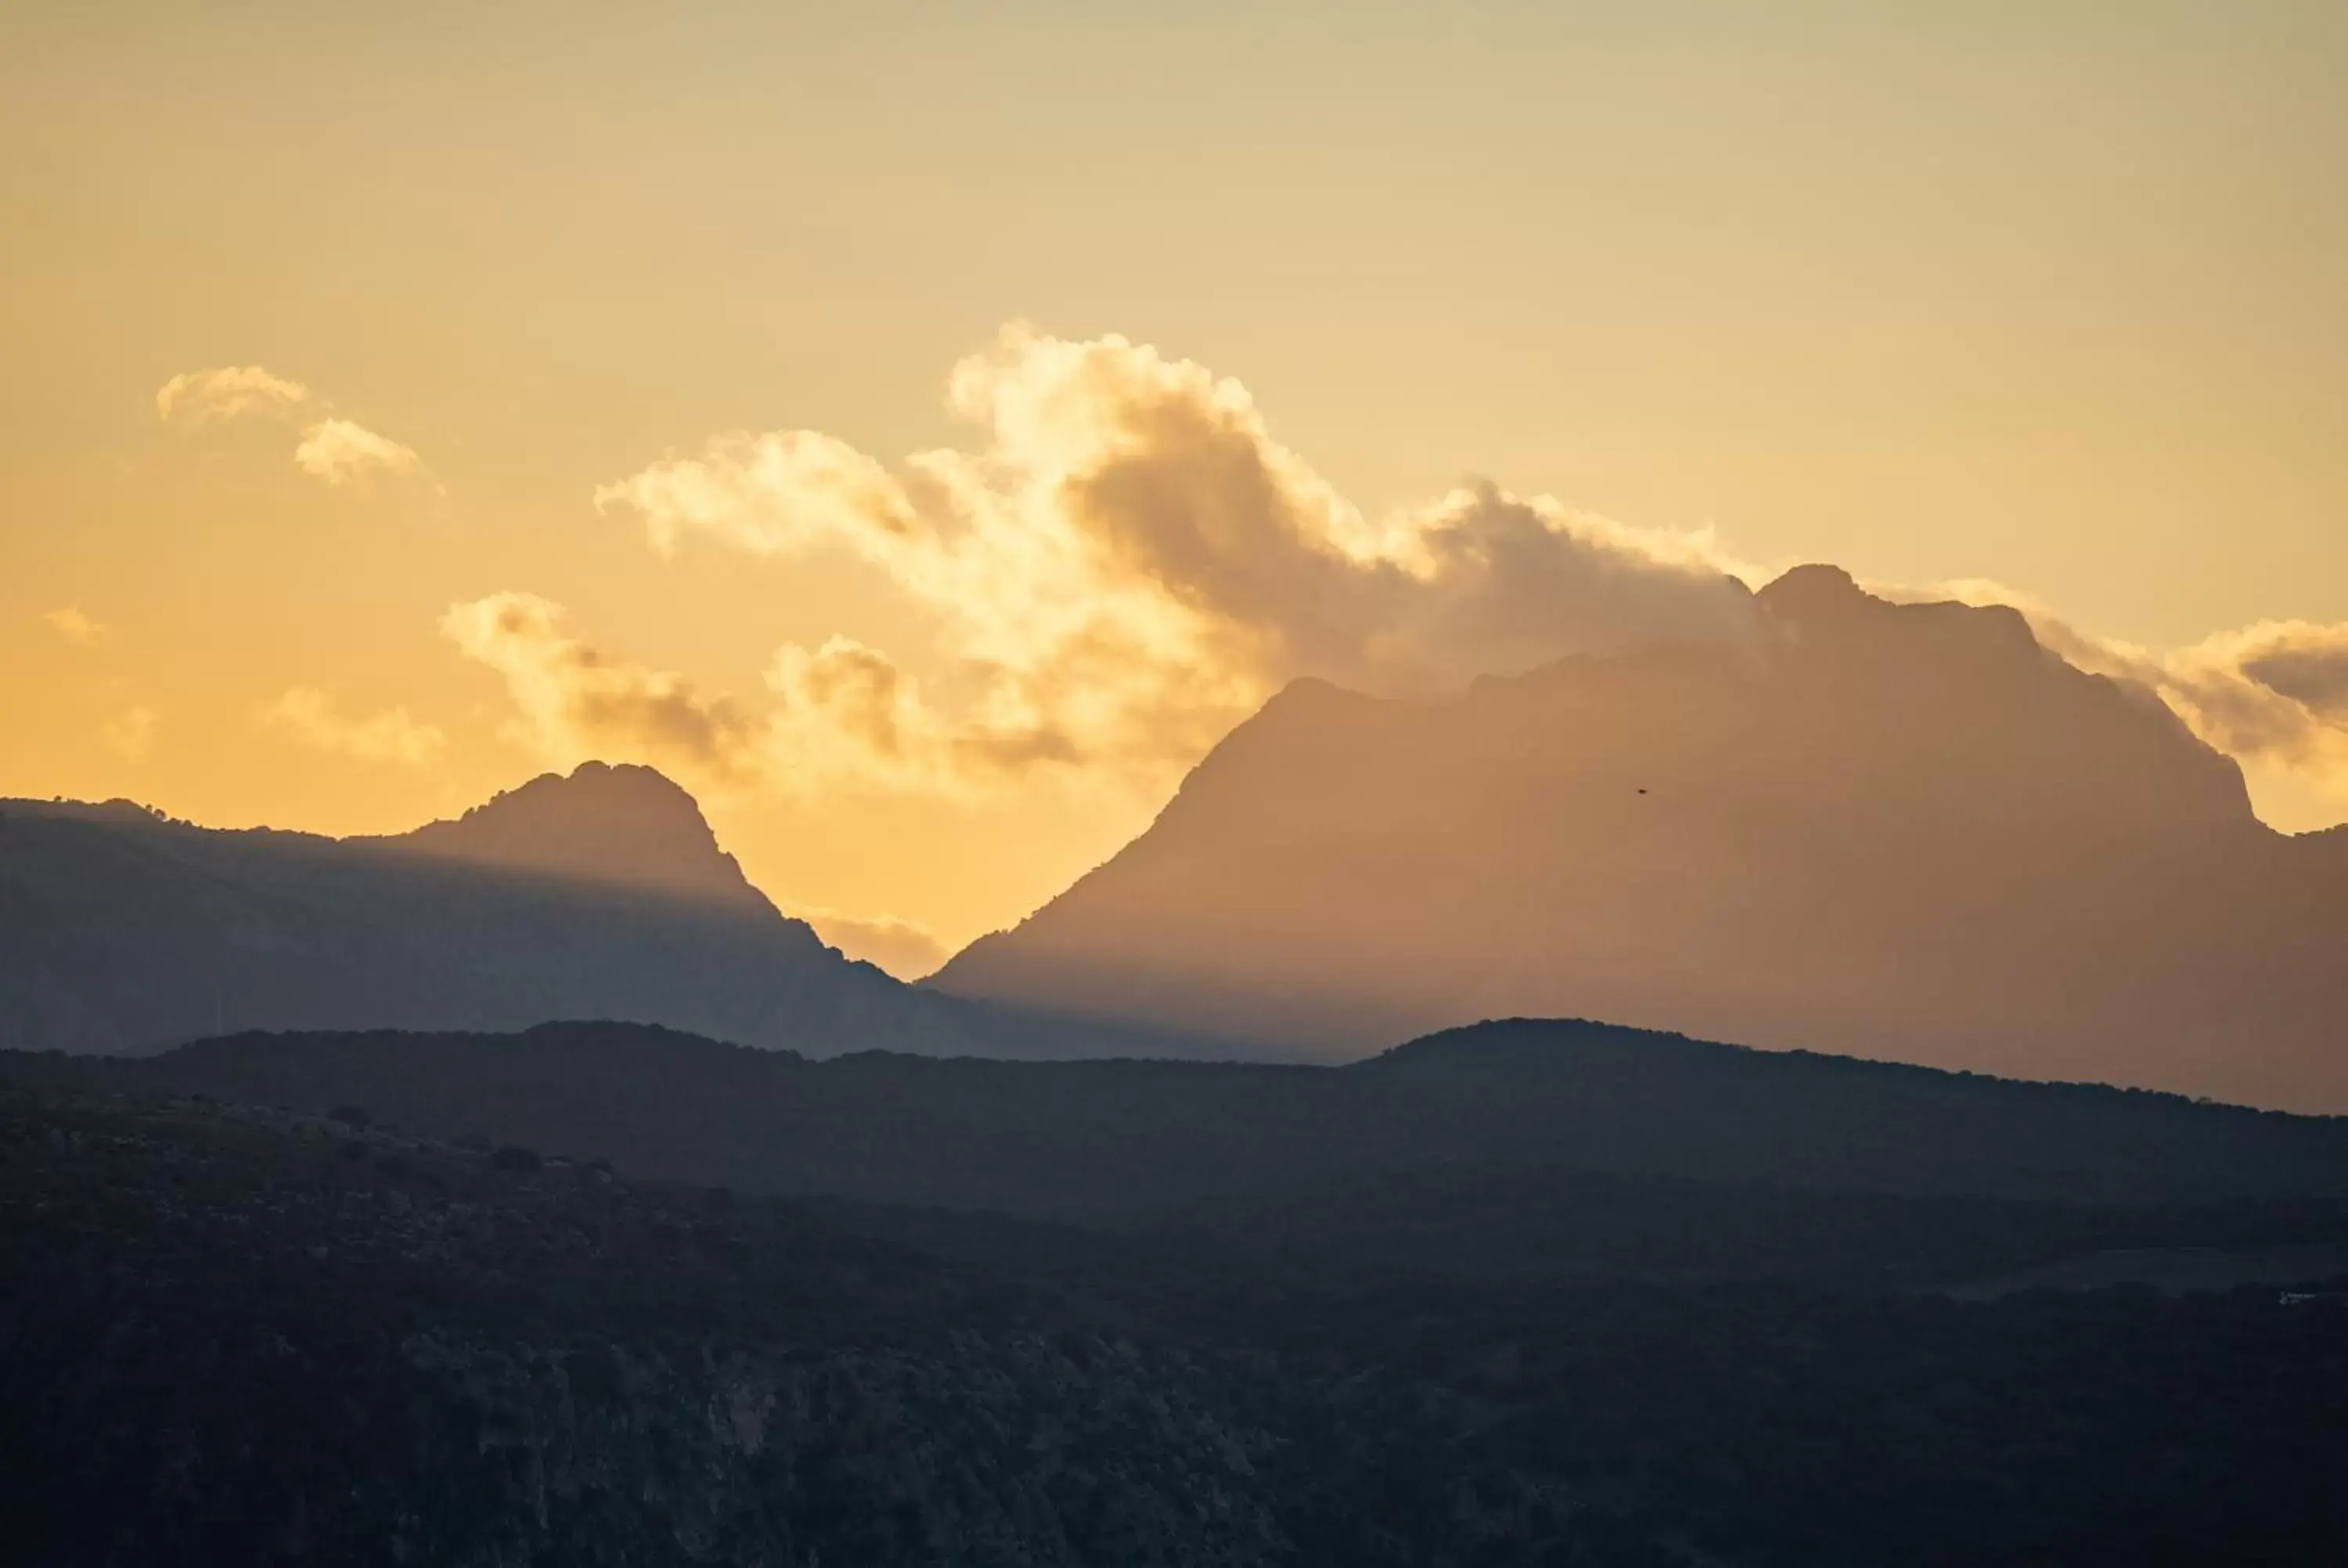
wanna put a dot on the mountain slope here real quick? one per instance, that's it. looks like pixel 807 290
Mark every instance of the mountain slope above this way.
pixel 624 826
pixel 602 895
pixel 1891 830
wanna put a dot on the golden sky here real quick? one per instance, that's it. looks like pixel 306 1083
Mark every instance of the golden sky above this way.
pixel 922 429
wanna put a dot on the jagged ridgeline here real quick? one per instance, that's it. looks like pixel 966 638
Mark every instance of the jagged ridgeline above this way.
pixel 599 895
pixel 1891 830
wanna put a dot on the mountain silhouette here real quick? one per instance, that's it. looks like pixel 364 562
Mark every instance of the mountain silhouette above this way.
pixel 1090 1140
pixel 1895 830
pixel 621 826
pixel 599 895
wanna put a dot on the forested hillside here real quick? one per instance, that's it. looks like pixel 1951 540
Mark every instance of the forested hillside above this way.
pixel 232 1334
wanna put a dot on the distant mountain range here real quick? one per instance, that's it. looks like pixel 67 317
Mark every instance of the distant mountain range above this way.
pixel 317 1243
pixel 599 895
pixel 1891 830
pixel 1898 831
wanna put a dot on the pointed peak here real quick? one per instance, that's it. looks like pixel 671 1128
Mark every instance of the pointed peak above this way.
pixel 1304 689
pixel 620 824
pixel 1825 602
pixel 605 786
pixel 1807 591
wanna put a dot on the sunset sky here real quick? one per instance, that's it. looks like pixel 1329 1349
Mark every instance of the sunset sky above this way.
pixel 923 429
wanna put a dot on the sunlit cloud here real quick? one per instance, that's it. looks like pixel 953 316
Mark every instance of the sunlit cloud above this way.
pixel 834 713
pixel 308 715
pixel 574 701
pixel 338 451
pixel 200 397
pixel 70 623
pixel 2273 694
pixel 131 734
pixel 1127 563
pixel 333 449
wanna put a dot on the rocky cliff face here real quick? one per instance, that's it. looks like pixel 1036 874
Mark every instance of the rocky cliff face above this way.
pixel 1900 830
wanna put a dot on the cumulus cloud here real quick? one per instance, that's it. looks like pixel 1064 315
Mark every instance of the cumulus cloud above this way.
pixel 839 707
pixel 308 715
pixel 575 702
pixel 333 449
pixel 906 949
pixel 74 627
pixel 131 734
pixel 1126 563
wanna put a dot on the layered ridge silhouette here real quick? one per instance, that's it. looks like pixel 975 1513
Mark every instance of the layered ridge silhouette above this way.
pixel 1532 1292
pixel 1897 830
pixel 1093 1140
pixel 599 895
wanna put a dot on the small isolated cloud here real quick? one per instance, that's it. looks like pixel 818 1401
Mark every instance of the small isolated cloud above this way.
pixel 74 627
pixel 131 734
pixel 333 449
pixel 575 702
pixel 904 948
pixel 338 451
pixel 307 715
pixel 200 397
pixel 1127 562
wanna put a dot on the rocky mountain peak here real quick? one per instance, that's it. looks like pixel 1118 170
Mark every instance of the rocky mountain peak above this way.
pixel 620 823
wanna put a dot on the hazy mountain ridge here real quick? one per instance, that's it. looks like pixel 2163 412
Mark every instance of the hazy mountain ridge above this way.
pixel 603 894
pixel 627 825
pixel 1900 830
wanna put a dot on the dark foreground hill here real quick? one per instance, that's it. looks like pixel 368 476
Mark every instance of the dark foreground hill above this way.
pixel 1079 1138
pixel 599 895
pixel 234 1335
pixel 1901 830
